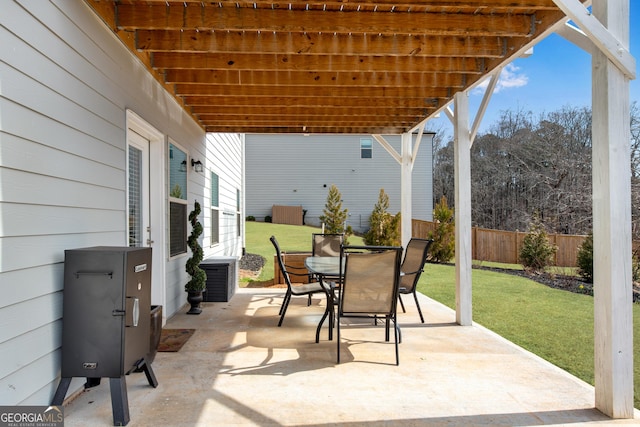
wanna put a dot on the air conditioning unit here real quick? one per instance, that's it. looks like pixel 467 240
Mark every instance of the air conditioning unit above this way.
pixel 222 278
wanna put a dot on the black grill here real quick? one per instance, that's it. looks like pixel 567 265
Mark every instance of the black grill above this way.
pixel 106 320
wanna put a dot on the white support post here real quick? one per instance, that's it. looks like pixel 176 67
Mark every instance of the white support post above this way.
pixel 406 189
pixel 406 159
pixel 613 329
pixel 462 161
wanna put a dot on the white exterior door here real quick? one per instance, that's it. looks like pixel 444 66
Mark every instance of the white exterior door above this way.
pixel 145 210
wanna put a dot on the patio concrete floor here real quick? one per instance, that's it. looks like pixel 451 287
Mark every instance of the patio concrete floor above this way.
pixel 240 369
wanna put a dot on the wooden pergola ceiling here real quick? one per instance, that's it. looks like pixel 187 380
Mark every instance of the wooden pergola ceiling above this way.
pixel 370 66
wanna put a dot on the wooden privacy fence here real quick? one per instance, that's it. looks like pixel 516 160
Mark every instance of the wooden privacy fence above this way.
pixel 486 245
pixel 504 246
pixel 286 215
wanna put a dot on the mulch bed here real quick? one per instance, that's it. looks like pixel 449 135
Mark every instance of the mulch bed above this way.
pixel 557 281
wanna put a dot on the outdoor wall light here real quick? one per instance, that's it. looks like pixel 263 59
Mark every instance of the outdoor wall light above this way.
pixel 197 165
pixel 183 166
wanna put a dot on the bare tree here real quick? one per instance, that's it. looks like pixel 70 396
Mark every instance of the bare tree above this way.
pixel 522 166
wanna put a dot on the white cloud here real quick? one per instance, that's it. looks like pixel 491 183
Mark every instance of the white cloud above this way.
pixel 510 77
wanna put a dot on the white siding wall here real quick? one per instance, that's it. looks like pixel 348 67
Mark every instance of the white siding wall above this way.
pixel 65 85
pixel 225 154
pixel 298 170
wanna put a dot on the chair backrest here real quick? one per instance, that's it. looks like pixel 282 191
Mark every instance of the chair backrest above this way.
pixel 371 280
pixel 413 263
pixel 326 244
pixel 283 268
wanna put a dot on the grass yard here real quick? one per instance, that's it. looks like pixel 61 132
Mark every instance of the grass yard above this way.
pixel 554 324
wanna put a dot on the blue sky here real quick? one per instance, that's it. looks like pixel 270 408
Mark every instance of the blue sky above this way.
pixel 558 74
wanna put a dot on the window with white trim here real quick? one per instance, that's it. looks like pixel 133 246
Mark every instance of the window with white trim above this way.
pixel 215 209
pixel 238 216
pixel 366 148
pixel 177 200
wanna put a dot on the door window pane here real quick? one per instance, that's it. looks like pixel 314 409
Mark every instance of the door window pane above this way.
pixel 135 197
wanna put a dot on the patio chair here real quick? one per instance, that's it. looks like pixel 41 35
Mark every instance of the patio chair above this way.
pixel 298 290
pixel 326 244
pixel 370 286
pixel 412 267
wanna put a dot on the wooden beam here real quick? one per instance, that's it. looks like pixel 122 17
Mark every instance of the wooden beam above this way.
pixel 462 6
pixel 307 91
pixel 576 36
pixel 318 43
pixel 616 51
pixel 488 93
pixel 302 121
pixel 305 78
pixel 386 130
pixel 302 102
pixel 318 63
pixel 195 16
pixel 276 110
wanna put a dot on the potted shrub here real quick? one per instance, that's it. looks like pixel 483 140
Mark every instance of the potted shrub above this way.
pixel 196 285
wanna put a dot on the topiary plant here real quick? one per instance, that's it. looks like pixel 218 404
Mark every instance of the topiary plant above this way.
pixel 198 276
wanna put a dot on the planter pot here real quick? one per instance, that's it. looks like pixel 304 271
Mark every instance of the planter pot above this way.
pixel 194 298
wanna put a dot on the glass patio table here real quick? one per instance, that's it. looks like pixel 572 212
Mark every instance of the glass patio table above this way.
pixel 328 271
pixel 324 266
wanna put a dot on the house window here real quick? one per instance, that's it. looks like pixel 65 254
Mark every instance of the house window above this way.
pixel 238 216
pixel 215 209
pixel 177 201
pixel 366 148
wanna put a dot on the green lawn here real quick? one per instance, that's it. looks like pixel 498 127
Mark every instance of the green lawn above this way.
pixel 291 238
pixel 554 324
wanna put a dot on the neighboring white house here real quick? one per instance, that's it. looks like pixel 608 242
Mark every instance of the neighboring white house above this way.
pixel 91 147
pixel 298 170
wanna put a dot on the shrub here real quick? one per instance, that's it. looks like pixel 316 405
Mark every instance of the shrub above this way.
pixel 333 216
pixel 251 218
pixel 585 259
pixel 267 218
pixel 536 252
pixel 444 246
pixel 385 228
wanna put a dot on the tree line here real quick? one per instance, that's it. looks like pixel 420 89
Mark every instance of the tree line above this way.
pixel 526 166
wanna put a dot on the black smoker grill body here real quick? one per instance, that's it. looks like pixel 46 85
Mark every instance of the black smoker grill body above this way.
pixel 106 320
